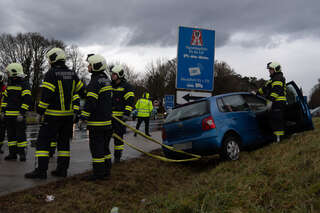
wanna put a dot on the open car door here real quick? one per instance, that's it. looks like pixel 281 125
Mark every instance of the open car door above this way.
pixel 297 114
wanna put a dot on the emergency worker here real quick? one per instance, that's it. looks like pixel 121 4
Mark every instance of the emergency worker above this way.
pixel 144 108
pixel 122 105
pixel 97 113
pixel 16 102
pixel 2 122
pixel 59 86
pixel 275 92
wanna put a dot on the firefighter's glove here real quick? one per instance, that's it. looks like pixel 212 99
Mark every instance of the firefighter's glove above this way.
pixel 20 118
pixel 82 122
pixel 125 117
pixel 269 105
pixel 253 92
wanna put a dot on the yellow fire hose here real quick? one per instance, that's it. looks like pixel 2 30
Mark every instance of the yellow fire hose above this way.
pixel 194 157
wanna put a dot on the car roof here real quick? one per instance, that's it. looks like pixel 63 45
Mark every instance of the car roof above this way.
pixel 213 97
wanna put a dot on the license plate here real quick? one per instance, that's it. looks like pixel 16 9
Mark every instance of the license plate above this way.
pixel 183 146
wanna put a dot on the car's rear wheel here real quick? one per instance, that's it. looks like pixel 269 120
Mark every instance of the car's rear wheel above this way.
pixel 230 149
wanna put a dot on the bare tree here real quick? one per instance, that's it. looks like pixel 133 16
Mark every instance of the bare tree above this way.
pixel 29 49
pixel 76 60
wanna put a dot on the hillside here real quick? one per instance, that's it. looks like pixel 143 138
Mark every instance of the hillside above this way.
pixel 282 177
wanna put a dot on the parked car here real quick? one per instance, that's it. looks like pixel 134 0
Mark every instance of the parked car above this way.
pixel 225 124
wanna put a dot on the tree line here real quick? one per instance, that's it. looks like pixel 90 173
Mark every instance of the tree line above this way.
pixel 159 78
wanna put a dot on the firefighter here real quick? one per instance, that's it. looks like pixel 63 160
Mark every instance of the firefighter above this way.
pixel 2 122
pixel 144 108
pixel 59 86
pixel 97 113
pixel 275 92
pixel 122 105
pixel 16 102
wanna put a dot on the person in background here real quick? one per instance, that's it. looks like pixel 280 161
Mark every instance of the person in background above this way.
pixel 122 105
pixel 16 102
pixel 3 87
pixel 275 92
pixel 144 107
pixel 97 113
pixel 60 84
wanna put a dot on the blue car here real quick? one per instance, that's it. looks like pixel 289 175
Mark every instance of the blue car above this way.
pixel 228 123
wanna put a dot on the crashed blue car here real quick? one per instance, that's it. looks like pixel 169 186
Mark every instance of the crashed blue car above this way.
pixel 226 124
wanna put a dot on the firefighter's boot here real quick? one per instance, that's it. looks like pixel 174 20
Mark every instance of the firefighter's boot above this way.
pixel 12 153
pixel 36 174
pixel 59 173
pixel 108 166
pixel 117 156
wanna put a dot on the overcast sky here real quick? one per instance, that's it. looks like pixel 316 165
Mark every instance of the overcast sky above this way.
pixel 249 33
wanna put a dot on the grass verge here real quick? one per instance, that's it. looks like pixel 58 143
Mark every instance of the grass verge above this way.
pixel 282 177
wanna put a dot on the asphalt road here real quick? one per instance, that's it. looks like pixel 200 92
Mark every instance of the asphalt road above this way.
pixel 12 172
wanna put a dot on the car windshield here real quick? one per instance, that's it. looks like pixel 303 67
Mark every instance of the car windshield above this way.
pixel 188 111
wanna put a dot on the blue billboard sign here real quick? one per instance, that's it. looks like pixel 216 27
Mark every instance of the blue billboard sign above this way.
pixel 168 102
pixel 195 59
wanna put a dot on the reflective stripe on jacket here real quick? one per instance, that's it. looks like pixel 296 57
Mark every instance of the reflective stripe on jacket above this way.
pixel 98 106
pixel 17 97
pixel 122 99
pixel 144 107
pixel 275 89
pixel 58 89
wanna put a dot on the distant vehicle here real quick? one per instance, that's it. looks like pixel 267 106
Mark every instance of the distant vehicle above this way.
pixel 225 124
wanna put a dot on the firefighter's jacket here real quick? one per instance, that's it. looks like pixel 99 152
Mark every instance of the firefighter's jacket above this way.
pixel 76 103
pixel 58 89
pixel 122 99
pixel 2 90
pixel 144 107
pixel 17 97
pixel 274 89
pixel 98 107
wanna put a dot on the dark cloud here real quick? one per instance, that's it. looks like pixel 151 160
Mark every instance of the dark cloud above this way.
pixel 146 22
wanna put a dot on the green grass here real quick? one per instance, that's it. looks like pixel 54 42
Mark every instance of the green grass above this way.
pixel 282 177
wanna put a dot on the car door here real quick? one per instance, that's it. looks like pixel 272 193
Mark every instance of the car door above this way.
pixel 243 120
pixel 297 113
pixel 258 106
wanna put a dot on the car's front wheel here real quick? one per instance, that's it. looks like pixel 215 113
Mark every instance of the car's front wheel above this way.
pixel 230 149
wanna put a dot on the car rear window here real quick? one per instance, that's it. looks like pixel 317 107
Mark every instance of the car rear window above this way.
pixel 188 111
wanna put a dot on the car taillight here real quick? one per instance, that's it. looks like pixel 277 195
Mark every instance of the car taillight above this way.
pixel 164 135
pixel 208 123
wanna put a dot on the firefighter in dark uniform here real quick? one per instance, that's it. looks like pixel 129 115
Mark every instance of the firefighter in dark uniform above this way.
pixel 2 122
pixel 97 113
pixel 59 86
pixel 275 92
pixel 16 102
pixel 122 105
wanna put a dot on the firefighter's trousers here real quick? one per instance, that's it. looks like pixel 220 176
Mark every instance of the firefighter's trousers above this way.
pixel 120 130
pixel 2 132
pixel 17 140
pixel 59 127
pixel 99 140
pixel 277 118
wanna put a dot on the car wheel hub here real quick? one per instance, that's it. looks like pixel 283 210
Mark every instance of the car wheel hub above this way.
pixel 233 150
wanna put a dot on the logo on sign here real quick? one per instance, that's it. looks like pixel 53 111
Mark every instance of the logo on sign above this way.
pixel 196 38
